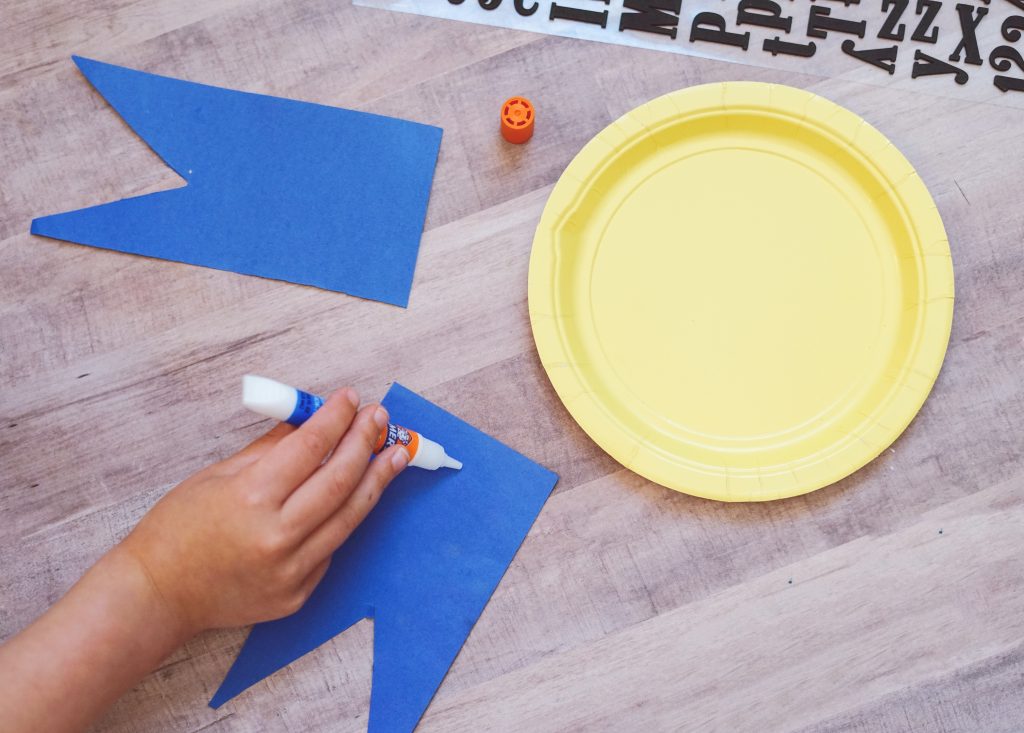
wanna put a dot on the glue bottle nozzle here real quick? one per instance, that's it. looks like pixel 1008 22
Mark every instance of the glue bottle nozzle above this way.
pixel 450 462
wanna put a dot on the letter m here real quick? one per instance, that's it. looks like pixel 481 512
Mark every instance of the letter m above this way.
pixel 651 16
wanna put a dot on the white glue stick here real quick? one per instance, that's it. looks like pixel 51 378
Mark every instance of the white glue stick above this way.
pixel 281 402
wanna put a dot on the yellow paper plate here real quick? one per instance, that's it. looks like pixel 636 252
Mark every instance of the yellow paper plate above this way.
pixel 741 291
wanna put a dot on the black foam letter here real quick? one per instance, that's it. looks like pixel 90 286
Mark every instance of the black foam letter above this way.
pixel 925 65
pixel 651 16
pixel 711 27
pixel 883 58
pixel 820 22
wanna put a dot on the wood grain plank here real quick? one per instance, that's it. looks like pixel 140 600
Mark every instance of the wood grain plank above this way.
pixel 859 620
pixel 628 605
pixel 984 696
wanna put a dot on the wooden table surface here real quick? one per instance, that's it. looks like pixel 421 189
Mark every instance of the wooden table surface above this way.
pixel 891 601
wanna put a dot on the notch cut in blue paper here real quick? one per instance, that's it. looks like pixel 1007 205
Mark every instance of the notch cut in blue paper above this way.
pixel 275 187
pixel 423 565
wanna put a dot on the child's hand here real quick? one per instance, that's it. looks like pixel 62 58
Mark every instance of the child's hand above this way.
pixel 248 539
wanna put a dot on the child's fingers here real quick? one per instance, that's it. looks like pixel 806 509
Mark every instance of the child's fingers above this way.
pixel 313 579
pixel 329 535
pixel 327 489
pixel 295 599
pixel 298 455
pixel 255 449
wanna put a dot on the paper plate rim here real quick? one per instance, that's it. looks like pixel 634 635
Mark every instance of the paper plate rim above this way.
pixel 915 380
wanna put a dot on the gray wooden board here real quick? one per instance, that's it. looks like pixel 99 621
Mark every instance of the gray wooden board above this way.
pixel 629 606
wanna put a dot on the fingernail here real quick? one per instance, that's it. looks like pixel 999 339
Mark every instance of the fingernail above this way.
pixel 400 459
pixel 380 417
pixel 352 396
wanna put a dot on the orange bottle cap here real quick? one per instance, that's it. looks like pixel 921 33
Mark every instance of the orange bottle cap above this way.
pixel 517 118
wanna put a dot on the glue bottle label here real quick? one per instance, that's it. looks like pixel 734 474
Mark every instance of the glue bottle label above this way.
pixel 396 434
pixel 305 405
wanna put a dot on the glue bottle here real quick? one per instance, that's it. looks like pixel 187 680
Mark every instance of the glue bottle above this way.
pixel 281 402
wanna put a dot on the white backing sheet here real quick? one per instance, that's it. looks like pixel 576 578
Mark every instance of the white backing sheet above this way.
pixel 972 49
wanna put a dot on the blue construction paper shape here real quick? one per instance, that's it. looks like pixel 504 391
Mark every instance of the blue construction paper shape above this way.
pixel 423 565
pixel 274 187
